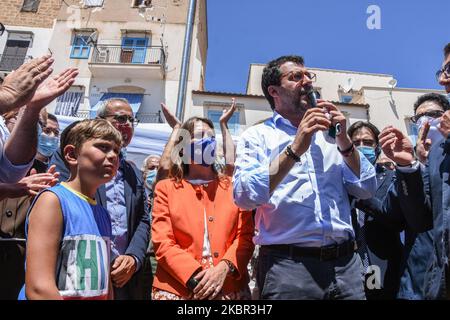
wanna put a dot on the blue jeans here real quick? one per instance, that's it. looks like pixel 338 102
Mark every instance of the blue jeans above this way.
pixel 281 277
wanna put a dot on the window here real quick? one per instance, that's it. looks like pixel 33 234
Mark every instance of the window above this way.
pixel 15 52
pixel 68 103
pixel 143 3
pixel 346 98
pixel 80 47
pixel 93 3
pixel 134 50
pixel 233 123
pixel 30 5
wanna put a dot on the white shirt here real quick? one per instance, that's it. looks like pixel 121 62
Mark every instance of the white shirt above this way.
pixel 9 173
pixel 310 207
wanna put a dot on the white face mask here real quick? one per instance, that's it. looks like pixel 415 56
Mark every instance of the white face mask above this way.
pixel 433 134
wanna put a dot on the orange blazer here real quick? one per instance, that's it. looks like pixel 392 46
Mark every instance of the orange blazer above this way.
pixel 178 229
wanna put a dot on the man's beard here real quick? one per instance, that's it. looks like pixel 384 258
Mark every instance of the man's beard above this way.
pixel 300 101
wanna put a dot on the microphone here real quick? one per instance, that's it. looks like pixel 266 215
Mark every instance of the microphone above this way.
pixel 312 96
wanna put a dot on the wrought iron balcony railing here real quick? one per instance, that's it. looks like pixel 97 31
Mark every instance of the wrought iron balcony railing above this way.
pixel 143 117
pixel 116 54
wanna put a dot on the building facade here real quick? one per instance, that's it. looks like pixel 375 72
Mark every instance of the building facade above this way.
pixel 133 49
pixel 130 49
pixel 361 96
pixel 29 26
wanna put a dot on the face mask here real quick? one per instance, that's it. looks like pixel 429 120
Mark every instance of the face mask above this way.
pixel 433 134
pixel 47 145
pixel 369 153
pixel 151 175
pixel 204 151
pixel 127 132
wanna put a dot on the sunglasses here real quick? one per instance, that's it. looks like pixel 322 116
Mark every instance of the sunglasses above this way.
pixel 432 114
pixel 122 119
pixel 445 70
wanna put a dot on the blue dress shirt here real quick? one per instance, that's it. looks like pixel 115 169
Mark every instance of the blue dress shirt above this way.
pixel 310 207
pixel 115 203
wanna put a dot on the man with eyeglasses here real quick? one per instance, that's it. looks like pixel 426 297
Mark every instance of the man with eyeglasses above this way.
pixel 424 196
pixel 443 75
pixel 124 198
pixel 297 178
pixel 379 243
pixel 428 111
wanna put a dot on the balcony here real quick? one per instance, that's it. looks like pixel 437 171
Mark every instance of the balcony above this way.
pixel 143 117
pixel 147 117
pixel 9 63
pixel 133 62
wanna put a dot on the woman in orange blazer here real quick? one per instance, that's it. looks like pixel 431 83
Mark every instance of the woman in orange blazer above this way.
pixel 202 240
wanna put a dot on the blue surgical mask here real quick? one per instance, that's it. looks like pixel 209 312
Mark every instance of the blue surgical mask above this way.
pixel 47 145
pixel 151 175
pixel 369 153
pixel 204 151
pixel 433 134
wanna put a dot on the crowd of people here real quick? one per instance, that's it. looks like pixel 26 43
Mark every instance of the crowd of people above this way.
pixel 304 206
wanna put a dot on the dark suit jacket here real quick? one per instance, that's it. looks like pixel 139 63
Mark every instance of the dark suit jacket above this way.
pixel 382 237
pixel 418 243
pixel 138 217
pixel 425 199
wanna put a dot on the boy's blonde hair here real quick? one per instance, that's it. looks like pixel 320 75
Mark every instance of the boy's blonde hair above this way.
pixel 81 131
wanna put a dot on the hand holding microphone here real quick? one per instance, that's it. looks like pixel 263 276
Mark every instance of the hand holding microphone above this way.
pixel 313 97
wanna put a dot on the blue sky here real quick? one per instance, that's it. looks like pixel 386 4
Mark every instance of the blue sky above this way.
pixel 328 34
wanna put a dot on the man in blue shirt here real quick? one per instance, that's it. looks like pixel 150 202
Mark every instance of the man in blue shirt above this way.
pixel 298 176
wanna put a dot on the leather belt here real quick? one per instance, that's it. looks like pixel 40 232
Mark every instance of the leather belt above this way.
pixel 325 253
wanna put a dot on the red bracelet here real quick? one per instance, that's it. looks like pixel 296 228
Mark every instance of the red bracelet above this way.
pixel 347 152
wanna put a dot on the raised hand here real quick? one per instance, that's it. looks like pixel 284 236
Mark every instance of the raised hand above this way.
pixel 396 146
pixel 20 85
pixel 227 114
pixel 53 88
pixel 444 126
pixel 423 144
pixel 171 119
pixel 31 185
pixel 336 116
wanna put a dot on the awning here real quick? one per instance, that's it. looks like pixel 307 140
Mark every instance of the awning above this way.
pixel 135 100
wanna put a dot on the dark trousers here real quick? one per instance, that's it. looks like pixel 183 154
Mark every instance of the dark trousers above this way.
pixel 12 269
pixel 280 276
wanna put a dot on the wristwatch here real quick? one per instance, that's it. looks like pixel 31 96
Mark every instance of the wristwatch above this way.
pixel 192 283
pixel 230 265
pixel 291 154
pixel 347 152
pixel 412 164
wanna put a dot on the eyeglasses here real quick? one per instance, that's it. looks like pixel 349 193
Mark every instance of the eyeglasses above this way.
pixel 432 114
pixel 300 76
pixel 445 70
pixel 123 119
